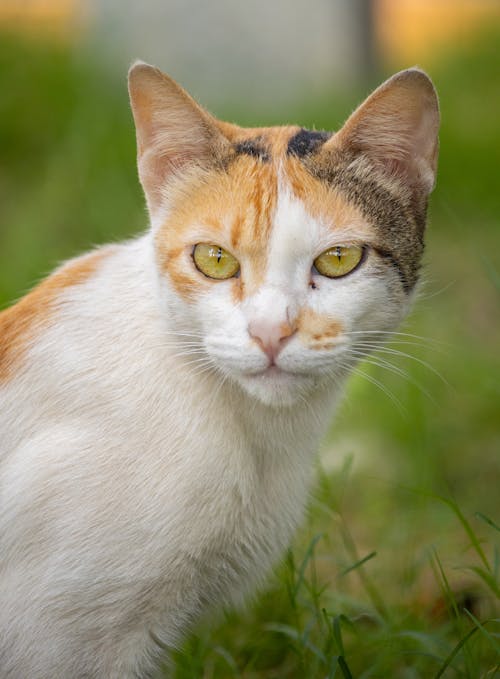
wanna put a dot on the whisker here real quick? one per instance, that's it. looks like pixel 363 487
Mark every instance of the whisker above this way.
pixel 382 363
pixel 426 340
pixel 203 369
pixel 188 353
pixel 398 342
pixel 179 333
pixel 378 361
pixel 396 352
pixel 178 345
pixel 200 359
pixel 424 296
pixel 357 371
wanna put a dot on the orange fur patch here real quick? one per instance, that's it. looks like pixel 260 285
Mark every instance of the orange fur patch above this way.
pixel 287 329
pixel 316 330
pixel 21 323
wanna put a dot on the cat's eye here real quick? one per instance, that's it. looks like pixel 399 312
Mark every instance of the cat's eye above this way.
pixel 214 261
pixel 339 260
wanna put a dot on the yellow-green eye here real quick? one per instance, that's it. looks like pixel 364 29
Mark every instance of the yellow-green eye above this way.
pixel 214 261
pixel 338 260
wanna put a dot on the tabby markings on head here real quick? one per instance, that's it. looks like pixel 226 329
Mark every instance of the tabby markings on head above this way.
pixel 306 142
pixel 301 144
pixel 254 148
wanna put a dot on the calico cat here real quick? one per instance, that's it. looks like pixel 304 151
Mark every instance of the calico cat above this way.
pixel 162 399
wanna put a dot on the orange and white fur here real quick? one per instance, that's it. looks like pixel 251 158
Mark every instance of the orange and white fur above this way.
pixel 158 425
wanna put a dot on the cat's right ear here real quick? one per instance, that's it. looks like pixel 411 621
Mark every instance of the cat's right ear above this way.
pixel 173 132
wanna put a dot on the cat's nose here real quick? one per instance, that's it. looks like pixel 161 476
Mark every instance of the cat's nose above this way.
pixel 270 336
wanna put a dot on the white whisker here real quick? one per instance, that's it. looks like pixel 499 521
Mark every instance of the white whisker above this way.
pixel 396 352
pixel 392 333
pixel 382 363
pixel 380 385
pixel 424 296
pixel 398 342
pixel 178 333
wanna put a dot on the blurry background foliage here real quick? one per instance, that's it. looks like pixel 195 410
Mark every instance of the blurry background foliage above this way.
pixel 409 473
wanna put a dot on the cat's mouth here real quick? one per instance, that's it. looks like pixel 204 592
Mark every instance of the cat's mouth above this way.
pixel 276 386
pixel 274 372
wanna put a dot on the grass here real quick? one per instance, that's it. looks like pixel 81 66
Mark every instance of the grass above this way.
pixel 395 573
pixel 339 610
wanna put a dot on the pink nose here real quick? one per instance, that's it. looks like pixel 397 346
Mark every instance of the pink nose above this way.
pixel 270 336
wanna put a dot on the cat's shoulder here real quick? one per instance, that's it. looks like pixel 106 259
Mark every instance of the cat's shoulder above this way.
pixel 22 323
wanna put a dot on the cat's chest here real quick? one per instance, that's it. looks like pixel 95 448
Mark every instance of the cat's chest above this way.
pixel 232 497
pixel 238 519
pixel 238 490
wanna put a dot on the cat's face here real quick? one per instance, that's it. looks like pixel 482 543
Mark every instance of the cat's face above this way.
pixel 284 252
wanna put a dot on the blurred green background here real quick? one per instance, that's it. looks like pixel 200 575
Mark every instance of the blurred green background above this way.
pixel 412 475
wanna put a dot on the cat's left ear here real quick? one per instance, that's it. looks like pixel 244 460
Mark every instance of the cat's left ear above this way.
pixel 397 127
pixel 173 132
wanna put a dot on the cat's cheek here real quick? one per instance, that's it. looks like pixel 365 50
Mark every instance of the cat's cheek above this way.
pixel 362 301
pixel 383 305
pixel 216 309
pixel 225 332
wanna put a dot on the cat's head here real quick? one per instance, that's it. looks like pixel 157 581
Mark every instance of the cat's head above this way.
pixel 285 253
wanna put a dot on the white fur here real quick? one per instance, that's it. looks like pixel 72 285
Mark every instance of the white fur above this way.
pixel 150 466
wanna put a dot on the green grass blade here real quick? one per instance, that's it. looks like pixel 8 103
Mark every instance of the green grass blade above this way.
pixel 337 633
pixel 332 672
pixel 450 597
pixel 345 669
pixel 301 640
pixel 481 627
pixel 359 563
pixel 231 662
pixel 286 630
pixel 468 529
pixel 489 579
pixel 487 520
pixel 455 651
pixel 308 556
pixel 370 588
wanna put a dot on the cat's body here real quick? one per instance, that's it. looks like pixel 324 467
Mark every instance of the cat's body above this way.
pixel 190 496
pixel 158 424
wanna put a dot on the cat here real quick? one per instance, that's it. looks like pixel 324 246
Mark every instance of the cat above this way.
pixel 162 399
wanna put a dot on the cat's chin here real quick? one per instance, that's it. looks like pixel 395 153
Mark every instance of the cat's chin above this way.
pixel 276 387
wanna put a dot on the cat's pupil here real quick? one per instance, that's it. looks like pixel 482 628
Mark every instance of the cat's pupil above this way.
pixel 219 255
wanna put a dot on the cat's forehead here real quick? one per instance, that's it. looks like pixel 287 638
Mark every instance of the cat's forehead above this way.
pixel 238 199
pixel 272 144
